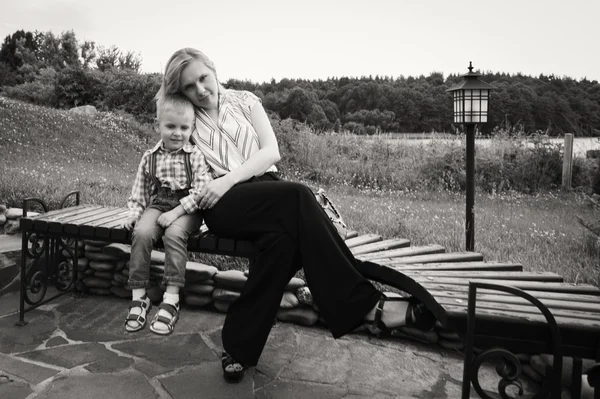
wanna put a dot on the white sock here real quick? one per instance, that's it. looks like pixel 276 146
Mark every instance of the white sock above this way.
pixel 171 299
pixel 138 293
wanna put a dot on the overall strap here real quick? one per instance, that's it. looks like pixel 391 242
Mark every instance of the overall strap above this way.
pixel 188 169
pixel 152 169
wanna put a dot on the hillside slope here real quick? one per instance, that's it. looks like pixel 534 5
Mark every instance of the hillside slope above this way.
pixel 47 152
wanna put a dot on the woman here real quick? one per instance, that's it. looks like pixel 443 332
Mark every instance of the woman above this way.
pixel 247 201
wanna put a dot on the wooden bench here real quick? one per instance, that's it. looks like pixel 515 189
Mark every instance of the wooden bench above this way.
pixel 457 287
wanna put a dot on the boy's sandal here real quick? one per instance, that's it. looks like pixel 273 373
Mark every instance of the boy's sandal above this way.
pixel 232 371
pixel 423 319
pixel 168 321
pixel 144 304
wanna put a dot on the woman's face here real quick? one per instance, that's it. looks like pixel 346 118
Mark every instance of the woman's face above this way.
pixel 199 84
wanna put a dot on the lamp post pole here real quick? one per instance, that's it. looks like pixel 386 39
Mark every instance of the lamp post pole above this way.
pixel 470 187
pixel 470 108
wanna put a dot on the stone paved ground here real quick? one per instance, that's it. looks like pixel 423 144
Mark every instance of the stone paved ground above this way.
pixel 77 347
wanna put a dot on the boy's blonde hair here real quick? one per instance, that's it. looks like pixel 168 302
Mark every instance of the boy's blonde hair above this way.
pixel 173 101
pixel 175 66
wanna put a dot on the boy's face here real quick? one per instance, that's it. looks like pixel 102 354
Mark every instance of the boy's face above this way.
pixel 175 127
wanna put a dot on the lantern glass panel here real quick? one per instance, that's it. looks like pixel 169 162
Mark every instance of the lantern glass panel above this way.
pixel 468 101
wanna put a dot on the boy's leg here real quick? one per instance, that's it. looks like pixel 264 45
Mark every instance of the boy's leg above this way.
pixel 175 241
pixel 145 233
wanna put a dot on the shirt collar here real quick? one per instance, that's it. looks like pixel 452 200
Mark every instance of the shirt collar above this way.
pixel 188 147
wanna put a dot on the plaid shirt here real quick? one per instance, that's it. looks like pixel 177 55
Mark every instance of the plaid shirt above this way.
pixel 170 171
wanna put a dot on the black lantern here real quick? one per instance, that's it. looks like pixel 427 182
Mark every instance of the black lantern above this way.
pixel 470 108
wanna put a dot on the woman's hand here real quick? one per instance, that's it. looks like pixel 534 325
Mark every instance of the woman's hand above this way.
pixel 213 191
pixel 129 223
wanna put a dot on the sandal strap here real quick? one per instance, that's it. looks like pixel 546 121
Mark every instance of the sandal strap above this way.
pixel 377 326
pixel 172 310
pixel 139 318
pixel 169 321
pixel 227 360
pixel 139 303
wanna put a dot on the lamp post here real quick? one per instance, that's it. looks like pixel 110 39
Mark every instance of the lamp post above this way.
pixel 470 108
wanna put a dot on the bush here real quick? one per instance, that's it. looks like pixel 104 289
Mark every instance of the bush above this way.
pixel 39 91
pixel 130 92
pixel 77 86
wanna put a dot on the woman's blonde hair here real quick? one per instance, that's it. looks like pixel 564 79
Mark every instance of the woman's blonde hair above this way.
pixel 175 66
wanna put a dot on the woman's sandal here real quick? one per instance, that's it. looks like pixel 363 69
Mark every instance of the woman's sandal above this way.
pixel 144 304
pixel 232 371
pixel 168 321
pixel 417 316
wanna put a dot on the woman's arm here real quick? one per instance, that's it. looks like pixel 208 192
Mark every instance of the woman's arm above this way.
pixel 266 156
pixel 256 165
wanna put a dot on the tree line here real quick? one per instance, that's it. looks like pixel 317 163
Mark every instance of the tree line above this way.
pixel 60 71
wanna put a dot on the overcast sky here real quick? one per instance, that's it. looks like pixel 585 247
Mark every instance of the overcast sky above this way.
pixel 263 39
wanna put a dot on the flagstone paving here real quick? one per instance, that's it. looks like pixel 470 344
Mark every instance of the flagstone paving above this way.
pixel 77 347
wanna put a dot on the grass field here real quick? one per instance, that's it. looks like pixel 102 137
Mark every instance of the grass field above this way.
pixel 47 153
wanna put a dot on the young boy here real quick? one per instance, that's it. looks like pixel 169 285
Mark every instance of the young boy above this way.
pixel 163 202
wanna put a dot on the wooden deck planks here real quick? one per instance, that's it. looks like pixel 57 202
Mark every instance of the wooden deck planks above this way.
pixel 380 246
pixel 522 276
pixel 436 258
pixel 490 266
pixel 565 302
pixel 362 240
pixel 400 252
pixel 457 311
pixel 451 284
pixel 528 309
pixel 462 290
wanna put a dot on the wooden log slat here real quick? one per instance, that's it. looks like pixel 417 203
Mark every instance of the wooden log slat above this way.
pixel 364 239
pixel 226 244
pixel 207 242
pixel 57 225
pixel 118 217
pixel 351 234
pixel 53 222
pixel 550 303
pixel 72 226
pixel 87 225
pixel 436 258
pixel 555 295
pixel 245 247
pixel 116 223
pixel 380 246
pixel 524 285
pixel 490 266
pixel 59 212
pixel 400 252
pixel 528 309
pixel 522 276
pixel 81 217
pixel 104 228
pixel 503 315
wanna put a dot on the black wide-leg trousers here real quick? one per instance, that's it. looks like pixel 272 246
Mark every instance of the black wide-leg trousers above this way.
pixel 291 232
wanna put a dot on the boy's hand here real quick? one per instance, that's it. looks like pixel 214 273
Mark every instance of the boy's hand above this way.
pixel 129 223
pixel 167 218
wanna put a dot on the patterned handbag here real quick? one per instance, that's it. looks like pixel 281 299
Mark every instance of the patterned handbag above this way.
pixel 332 213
